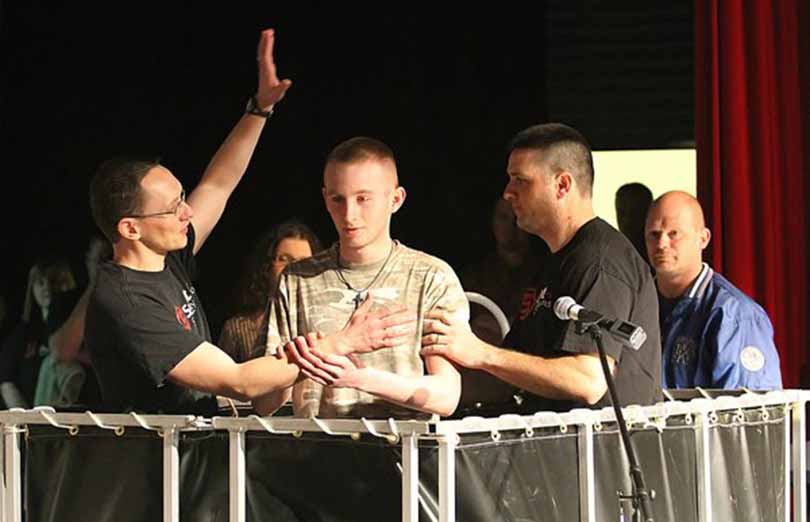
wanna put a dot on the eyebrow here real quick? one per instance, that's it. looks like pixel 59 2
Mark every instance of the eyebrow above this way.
pixel 335 193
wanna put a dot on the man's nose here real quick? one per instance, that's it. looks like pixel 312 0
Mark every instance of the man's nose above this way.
pixel 186 211
pixel 508 194
pixel 350 211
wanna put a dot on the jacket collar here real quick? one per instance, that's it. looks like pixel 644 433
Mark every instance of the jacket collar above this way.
pixel 698 288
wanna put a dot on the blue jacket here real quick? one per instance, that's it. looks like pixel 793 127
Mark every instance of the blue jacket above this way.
pixel 718 337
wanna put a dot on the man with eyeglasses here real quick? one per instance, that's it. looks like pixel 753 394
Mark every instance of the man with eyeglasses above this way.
pixel 146 329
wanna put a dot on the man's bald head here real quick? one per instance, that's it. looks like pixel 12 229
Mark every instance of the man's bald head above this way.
pixel 676 235
pixel 679 202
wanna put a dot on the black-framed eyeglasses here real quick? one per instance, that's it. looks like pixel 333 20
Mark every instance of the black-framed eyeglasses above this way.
pixel 176 210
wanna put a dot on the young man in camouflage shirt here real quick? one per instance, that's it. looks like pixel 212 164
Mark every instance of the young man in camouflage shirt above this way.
pixel 364 271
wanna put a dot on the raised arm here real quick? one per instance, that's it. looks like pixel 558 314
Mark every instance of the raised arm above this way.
pixel 231 160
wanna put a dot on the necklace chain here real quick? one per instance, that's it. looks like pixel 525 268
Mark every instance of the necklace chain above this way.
pixel 358 298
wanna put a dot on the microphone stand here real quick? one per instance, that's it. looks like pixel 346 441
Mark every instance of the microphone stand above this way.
pixel 640 496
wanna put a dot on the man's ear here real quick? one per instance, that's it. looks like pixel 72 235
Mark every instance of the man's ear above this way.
pixel 128 229
pixel 705 237
pixel 565 182
pixel 398 199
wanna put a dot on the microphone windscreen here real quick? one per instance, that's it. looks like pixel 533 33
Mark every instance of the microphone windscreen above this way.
pixel 562 307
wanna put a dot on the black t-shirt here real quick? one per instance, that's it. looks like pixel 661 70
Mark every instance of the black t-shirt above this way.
pixel 139 326
pixel 602 271
pixel 665 307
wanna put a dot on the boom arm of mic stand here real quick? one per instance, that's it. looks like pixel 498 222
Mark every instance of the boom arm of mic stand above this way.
pixel 641 495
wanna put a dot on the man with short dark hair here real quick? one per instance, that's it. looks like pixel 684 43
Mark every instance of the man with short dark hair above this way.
pixel 550 171
pixel 713 335
pixel 146 329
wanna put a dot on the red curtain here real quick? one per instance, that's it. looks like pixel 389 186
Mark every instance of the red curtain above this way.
pixel 752 65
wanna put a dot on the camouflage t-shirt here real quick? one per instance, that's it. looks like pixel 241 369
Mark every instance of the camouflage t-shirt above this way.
pixel 312 296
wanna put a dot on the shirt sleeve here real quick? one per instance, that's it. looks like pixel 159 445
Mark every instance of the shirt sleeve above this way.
pixel 445 293
pixel 154 340
pixel 278 319
pixel 598 290
pixel 745 355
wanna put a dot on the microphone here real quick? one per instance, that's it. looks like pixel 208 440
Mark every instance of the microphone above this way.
pixel 630 335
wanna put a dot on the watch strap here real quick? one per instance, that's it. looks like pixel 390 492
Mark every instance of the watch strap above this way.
pixel 253 108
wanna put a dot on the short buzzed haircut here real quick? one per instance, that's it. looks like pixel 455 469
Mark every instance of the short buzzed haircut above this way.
pixel 563 148
pixel 115 192
pixel 360 148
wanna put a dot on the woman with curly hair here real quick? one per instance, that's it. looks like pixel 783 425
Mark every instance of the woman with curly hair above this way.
pixel 286 243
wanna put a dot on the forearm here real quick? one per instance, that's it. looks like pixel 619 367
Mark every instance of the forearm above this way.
pixel 232 158
pixel 223 175
pixel 263 376
pixel 268 404
pixel 566 377
pixel 429 393
pixel 66 341
pixel 11 395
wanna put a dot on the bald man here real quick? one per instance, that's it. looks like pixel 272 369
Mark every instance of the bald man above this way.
pixel 323 293
pixel 713 335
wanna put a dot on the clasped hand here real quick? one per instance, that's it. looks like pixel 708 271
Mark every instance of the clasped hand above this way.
pixel 328 360
pixel 328 369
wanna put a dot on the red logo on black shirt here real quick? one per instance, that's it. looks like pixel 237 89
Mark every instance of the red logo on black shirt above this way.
pixel 527 303
pixel 531 301
pixel 181 318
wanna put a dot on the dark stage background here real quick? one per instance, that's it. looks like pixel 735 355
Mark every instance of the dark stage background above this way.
pixel 447 91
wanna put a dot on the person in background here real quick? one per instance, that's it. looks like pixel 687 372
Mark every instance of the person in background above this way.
pixel 632 202
pixel 504 271
pixel 713 335
pixel 508 269
pixel 284 244
pixel 27 345
pixel 66 377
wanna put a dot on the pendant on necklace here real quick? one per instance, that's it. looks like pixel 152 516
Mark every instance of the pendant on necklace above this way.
pixel 358 300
